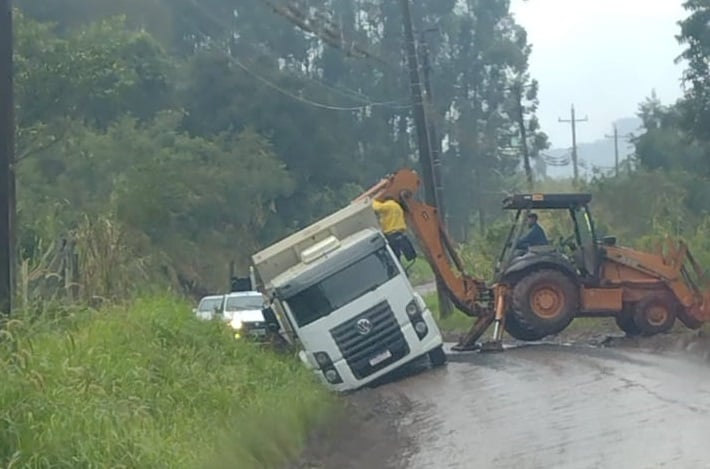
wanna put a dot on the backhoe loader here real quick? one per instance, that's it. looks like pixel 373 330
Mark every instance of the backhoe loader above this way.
pixel 538 292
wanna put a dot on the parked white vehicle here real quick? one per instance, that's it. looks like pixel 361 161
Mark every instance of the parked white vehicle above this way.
pixel 209 306
pixel 243 312
pixel 338 290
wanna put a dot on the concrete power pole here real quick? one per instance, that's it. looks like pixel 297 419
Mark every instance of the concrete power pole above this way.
pixel 573 121
pixel 445 305
pixel 616 150
pixel 7 152
pixel 423 137
pixel 616 138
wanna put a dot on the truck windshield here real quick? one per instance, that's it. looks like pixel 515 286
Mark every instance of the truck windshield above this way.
pixel 344 286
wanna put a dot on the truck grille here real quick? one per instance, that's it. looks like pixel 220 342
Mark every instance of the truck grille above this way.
pixel 359 347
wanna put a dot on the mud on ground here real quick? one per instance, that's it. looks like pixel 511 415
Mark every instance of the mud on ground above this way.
pixel 364 435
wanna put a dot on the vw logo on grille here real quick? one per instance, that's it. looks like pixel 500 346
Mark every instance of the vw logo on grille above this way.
pixel 364 326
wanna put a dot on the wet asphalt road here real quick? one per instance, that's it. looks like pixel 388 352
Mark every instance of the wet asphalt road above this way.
pixel 543 406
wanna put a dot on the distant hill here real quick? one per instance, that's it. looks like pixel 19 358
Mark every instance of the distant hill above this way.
pixel 599 153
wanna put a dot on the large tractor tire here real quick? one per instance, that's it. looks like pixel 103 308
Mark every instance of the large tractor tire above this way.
pixel 625 322
pixel 544 303
pixel 513 327
pixel 655 314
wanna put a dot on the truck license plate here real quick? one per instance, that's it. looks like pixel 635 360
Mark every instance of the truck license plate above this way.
pixel 379 358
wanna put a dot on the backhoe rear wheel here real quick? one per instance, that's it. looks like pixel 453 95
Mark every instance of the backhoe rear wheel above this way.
pixel 655 314
pixel 544 303
pixel 625 322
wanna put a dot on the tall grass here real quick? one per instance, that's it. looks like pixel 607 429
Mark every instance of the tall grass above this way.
pixel 148 386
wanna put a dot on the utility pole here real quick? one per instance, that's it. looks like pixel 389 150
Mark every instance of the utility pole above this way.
pixel 520 118
pixel 616 150
pixel 573 121
pixel 445 305
pixel 423 140
pixel 616 138
pixel 7 151
pixel 434 140
pixel 420 122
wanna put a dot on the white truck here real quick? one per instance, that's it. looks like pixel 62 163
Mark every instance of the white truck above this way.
pixel 339 293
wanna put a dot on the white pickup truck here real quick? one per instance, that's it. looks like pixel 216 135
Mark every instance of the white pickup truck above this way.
pixel 339 292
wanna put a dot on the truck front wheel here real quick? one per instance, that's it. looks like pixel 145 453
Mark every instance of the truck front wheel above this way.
pixel 437 357
pixel 544 303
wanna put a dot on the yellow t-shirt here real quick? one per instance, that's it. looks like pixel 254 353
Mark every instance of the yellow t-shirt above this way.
pixel 391 216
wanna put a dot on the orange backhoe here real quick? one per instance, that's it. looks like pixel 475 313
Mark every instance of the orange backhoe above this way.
pixel 539 291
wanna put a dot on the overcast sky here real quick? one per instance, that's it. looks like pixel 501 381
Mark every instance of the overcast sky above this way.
pixel 605 56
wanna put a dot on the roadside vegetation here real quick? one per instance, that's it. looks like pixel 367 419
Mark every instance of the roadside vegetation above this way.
pixel 158 141
pixel 148 385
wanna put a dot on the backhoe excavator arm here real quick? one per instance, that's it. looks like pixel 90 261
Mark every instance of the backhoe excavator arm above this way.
pixel 470 295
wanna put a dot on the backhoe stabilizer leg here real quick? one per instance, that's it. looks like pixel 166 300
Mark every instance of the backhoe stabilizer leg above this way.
pixel 496 344
pixel 468 341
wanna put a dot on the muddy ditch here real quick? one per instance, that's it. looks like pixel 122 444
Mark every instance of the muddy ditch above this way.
pixel 365 433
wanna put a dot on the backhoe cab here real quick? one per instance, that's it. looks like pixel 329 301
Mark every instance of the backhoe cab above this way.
pixel 543 282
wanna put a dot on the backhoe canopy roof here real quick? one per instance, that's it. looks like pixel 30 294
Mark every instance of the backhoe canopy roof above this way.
pixel 546 201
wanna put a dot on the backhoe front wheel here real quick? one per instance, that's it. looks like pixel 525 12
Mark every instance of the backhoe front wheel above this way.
pixel 655 315
pixel 544 303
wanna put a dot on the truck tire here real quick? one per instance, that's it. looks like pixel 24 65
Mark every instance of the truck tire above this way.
pixel 544 303
pixel 625 322
pixel 655 314
pixel 437 357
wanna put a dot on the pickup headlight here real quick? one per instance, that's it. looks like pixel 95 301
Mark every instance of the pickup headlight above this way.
pixel 236 324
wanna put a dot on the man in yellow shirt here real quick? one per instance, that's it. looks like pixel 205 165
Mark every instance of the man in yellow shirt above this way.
pixel 394 226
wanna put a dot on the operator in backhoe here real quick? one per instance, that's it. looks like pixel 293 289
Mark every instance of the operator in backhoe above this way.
pixel 535 237
pixel 394 227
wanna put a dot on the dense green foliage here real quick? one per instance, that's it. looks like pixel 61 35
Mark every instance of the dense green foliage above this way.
pixel 148 386
pixel 203 130
pixel 168 137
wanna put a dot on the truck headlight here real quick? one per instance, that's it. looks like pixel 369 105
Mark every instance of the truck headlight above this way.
pixel 333 376
pixel 323 359
pixel 421 329
pixel 412 308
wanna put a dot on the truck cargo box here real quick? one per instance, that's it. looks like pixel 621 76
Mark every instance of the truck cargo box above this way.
pixel 292 250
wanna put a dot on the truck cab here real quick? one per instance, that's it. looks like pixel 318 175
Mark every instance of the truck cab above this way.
pixel 345 298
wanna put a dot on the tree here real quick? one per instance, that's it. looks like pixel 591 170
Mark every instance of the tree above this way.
pixel 695 36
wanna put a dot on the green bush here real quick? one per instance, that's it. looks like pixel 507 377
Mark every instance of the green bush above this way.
pixel 149 386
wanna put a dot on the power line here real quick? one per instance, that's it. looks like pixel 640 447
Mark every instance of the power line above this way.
pixel 274 86
pixel 331 34
pixel 285 92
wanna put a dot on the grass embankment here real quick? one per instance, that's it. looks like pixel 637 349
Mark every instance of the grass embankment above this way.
pixel 149 386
